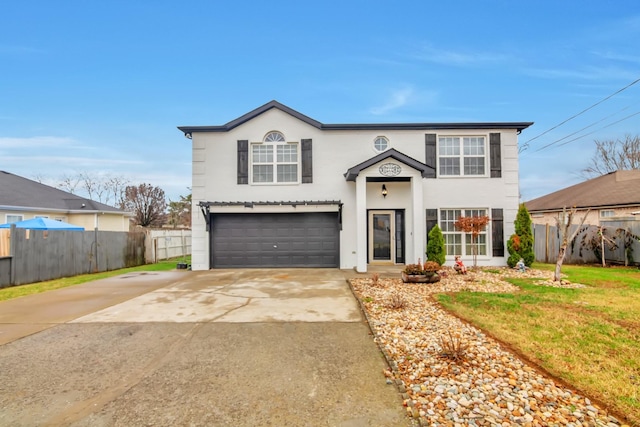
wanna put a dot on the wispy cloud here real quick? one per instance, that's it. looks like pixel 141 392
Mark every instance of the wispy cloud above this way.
pixel 71 161
pixel 614 56
pixel 398 98
pixel 17 49
pixel 586 73
pixel 37 141
pixel 458 58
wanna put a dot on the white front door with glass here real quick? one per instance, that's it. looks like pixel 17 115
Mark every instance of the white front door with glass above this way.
pixel 382 237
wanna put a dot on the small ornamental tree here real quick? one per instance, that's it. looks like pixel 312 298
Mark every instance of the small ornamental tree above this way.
pixel 520 244
pixel 473 225
pixel 436 250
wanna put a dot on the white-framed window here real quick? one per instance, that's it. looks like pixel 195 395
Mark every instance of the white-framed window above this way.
pixel 607 213
pixel 10 219
pixel 462 155
pixel 380 144
pixel 457 242
pixel 274 160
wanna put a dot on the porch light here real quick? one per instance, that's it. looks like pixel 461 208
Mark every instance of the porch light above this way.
pixel 384 191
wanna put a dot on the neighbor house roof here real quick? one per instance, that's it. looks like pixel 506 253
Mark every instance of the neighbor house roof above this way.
pixel 18 193
pixel 621 188
pixel 188 130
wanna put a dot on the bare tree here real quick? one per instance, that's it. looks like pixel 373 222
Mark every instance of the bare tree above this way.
pixel 614 155
pixel 69 183
pixel 148 203
pixel 116 186
pixel 563 222
pixel 103 188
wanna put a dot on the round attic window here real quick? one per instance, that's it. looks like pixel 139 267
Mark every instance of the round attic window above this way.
pixel 380 144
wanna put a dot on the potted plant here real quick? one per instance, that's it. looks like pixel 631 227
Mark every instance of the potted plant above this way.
pixel 419 273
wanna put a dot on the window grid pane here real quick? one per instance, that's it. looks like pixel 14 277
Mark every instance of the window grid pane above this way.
pixel 287 173
pixel 474 165
pixel 449 166
pixel 287 153
pixel 262 173
pixel 262 153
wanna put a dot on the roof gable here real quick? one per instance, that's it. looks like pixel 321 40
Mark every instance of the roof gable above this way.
pixel 19 192
pixel 354 171
pixel 620 188
pixel 189 130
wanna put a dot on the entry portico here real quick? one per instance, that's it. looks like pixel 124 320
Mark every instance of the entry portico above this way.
pixel 398 178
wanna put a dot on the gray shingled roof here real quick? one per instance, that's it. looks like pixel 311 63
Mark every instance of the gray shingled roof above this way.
pixel 621 188
pixel 19 192
pixel 188 130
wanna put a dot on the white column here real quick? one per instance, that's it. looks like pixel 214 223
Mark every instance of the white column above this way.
pixel 361 224
pixel 419 238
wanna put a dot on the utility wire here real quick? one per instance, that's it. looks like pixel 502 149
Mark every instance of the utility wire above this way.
pixel 590 133
pixel 526 144
pixel 580 130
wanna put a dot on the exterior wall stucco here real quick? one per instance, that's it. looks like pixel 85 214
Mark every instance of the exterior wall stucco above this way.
pixel 334 152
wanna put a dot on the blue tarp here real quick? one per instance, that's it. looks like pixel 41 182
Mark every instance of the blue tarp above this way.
pixel 43 224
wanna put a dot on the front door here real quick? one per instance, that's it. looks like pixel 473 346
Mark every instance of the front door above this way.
pixel 382 236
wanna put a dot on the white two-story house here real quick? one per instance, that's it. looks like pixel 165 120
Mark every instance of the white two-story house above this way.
pixel 275 188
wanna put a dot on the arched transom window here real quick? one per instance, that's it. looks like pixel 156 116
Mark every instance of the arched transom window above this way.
pixel 274 160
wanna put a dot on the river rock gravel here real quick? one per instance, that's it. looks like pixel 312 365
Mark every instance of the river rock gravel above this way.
pixel 489 386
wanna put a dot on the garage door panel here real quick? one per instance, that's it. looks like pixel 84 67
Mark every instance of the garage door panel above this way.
pixel 275 240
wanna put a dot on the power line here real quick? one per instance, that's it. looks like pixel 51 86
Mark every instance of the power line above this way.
pixel 591 133
pixel 584 128
pixel 604 127
pixel 526 144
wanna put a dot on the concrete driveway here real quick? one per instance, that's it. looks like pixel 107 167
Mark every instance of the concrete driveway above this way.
pixel 218 348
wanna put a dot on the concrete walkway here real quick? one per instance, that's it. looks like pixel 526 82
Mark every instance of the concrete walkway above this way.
pixel 228 347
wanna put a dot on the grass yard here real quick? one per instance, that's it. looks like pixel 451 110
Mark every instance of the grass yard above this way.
pixel 49 285
pixel 589 337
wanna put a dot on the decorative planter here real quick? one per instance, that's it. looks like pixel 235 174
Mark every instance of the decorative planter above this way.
pixel 420 278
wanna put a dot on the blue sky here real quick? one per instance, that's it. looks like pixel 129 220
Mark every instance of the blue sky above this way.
pixel 101 86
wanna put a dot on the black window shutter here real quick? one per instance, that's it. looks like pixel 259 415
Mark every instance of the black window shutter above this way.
pixel 307 161
pixel 243 161
pixel 430 159
pixel 495 156
pixel 497 231
pixel 432 219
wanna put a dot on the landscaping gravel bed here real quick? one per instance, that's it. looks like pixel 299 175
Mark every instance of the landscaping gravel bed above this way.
pixel 489 385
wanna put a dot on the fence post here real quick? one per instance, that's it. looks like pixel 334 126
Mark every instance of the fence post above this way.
pixel 12 255
pixel 95 240
pixel 546 243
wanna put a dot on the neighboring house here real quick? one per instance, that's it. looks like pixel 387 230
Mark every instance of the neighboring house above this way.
pixel 275 188
pixel 22 199
pixel 614 195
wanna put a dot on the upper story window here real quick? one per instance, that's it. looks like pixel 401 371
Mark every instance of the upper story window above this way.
pixel 462 156
pixel 274 160
pixel 607 213
pixel 380 144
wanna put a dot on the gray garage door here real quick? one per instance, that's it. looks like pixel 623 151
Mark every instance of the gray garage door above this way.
pixel 275 240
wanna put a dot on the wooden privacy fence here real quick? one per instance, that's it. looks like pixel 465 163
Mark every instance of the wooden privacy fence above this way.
pixel 28 256
pixel 166 244
pixel 547 244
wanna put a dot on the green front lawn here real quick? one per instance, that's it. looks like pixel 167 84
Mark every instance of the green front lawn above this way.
pixel 49 285
pixel 589 337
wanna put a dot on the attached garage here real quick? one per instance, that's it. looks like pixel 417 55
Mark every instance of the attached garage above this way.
pixel 309 239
